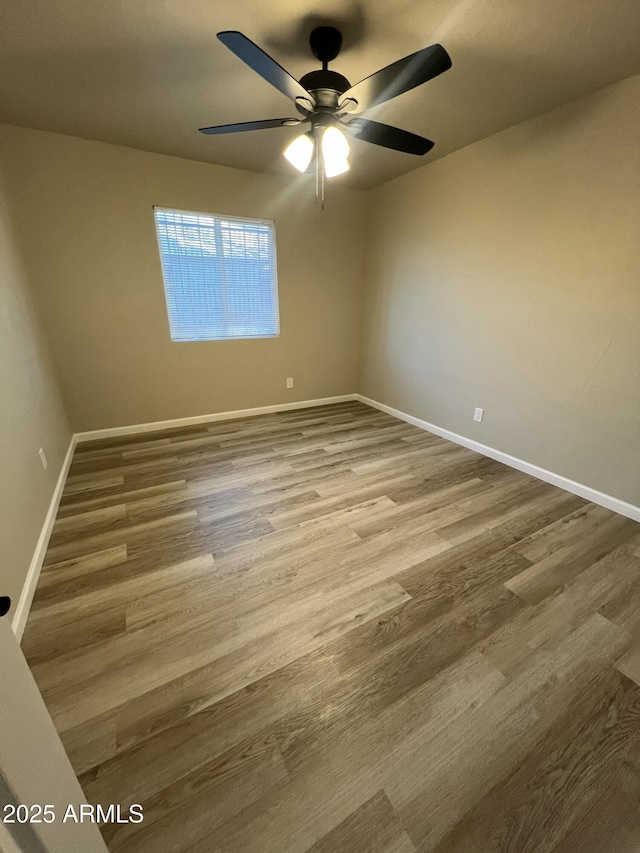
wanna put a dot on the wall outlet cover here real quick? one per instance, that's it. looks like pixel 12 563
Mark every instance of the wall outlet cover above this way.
pixel 290 382
pixel 43 458
pixel 478 415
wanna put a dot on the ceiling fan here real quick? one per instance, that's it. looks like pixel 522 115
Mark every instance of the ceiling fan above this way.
pixel 327 100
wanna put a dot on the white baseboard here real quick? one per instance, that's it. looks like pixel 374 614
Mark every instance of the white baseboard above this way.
pixel 21 613
pixel 593 495
pixel 132 429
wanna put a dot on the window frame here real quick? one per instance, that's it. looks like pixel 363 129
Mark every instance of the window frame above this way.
pixel 221 216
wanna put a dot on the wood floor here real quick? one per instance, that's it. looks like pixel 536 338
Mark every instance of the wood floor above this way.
pixel 328 631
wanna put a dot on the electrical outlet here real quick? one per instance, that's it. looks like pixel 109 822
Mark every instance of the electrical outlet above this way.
pixel 478 415
pixel 290 382
pixel 43 458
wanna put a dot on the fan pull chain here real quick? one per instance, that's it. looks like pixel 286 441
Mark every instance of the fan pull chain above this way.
pixel 319 176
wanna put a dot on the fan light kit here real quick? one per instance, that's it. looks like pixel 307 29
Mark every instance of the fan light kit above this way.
pixel 327 100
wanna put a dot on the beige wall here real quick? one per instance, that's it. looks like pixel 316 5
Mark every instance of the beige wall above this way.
pixel 507 276
pixel 31 417
pixel 84 214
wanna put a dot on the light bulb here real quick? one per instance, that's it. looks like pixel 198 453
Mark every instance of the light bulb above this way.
pixel 334 145
pixel 336 166
pixel 335 150
pixel 299 152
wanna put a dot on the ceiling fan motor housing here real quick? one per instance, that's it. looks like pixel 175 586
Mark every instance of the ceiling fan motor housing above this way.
pixel 325 86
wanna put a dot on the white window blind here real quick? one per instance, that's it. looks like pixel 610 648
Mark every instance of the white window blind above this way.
pixel 219 275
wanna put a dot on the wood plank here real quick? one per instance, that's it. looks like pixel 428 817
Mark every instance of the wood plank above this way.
pixel 629 663
pixel 554 787
pixel 171 749
pixel 61 576
pixel 193 807
pixel 551 573
pixel 433 797
pixel 550 621
pixel 232 667
pixel 372 827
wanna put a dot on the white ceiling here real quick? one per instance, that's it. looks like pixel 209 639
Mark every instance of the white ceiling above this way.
pixel 148 73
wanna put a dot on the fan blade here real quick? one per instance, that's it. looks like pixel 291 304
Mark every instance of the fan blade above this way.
pixel 389 137
pixel 266 67
pixel 399 77
pixel 250 125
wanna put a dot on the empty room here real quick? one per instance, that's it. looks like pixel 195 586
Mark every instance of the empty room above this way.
pixel 320 427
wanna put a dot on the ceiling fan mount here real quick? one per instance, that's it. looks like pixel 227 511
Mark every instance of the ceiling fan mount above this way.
pixel 325 43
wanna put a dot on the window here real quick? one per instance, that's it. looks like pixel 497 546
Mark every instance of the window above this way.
pixel 219 275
